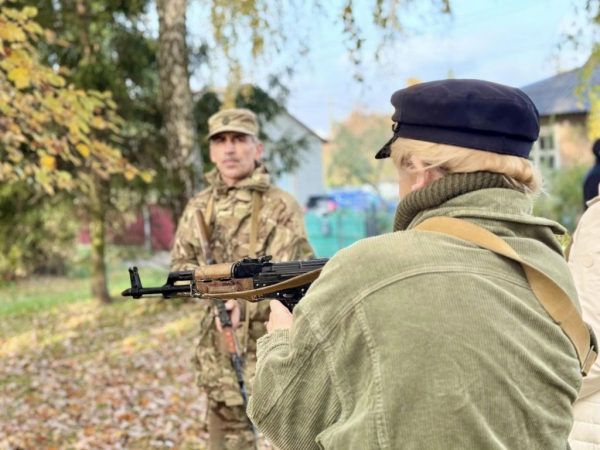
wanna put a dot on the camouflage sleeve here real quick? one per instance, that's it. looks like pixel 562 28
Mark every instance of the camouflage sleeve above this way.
pixel 186 254
pixel 289 240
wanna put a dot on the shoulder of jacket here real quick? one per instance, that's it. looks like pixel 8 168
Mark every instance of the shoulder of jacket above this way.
pixel 385 247
pixel 275 193
pixel 358 271
pixel 395 256
pixel 200 199
pixel 588 229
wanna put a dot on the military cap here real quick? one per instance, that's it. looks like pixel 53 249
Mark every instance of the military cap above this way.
pixel 236 120
pixel 466 113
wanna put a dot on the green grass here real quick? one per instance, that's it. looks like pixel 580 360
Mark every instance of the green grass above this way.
pixel 42 294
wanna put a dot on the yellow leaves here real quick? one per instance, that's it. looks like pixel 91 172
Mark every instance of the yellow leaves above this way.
pixel 7 171
pixel 42 120
pixel 20 76
pixel 48 162
pixel 146 177
pixel 90 103
pixel 14 14
pixel 106 152
pixel 74 134
pixel 83 150
pixel 98 123
pixel 129 174
pixel 11 32
pixel 18 58
pixel 30 11
pixel 55 80
pixel 34 28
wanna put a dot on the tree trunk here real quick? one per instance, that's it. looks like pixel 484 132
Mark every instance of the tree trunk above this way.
pixel 99 189
pixel 97 211
pixel 184 160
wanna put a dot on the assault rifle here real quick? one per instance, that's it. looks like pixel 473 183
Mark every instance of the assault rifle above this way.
pixel 252 279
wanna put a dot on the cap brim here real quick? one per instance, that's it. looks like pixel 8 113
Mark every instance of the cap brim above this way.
pixel 229 129
pixel 386 150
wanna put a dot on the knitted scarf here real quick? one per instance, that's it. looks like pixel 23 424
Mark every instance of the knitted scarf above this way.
pixel 442 190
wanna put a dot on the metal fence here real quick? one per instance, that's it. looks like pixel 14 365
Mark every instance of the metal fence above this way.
pixel 331 232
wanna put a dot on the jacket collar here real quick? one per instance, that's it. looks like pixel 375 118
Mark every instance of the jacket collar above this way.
pixel 479 195
pixel 497 204
pixel 259 180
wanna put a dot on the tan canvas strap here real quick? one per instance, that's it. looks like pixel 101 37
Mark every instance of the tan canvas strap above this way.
pixel 210 210
pixel 554 300
pixel 254 223
pixel 254 219
pixel 254 295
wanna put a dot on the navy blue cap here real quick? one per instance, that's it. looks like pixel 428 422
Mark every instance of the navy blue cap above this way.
pixel 466 113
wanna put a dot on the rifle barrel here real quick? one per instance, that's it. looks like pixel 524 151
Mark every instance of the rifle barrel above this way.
pixel 166 291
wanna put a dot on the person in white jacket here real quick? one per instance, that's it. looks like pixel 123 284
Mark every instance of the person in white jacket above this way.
pixel 584 261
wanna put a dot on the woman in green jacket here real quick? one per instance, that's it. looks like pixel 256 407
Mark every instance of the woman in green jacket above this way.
pixel 422 340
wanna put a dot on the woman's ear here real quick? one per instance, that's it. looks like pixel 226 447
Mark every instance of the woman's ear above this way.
pixel 425 175
pixel 421 173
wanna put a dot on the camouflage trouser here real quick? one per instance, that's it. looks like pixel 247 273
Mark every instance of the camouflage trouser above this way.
pixel 228 428
pixel 228 425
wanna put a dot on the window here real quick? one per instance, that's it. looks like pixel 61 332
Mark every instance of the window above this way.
pixel 545 152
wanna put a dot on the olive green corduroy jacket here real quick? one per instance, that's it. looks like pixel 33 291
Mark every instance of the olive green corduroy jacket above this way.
pixel 418 340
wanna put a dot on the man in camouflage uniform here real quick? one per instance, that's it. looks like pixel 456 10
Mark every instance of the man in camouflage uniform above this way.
pixel 246 216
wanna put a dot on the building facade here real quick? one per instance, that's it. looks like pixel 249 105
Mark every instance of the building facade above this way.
pixel 563 102
pixel 308 178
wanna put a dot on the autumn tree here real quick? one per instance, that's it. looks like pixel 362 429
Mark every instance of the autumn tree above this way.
pixel 350 155
pixel 104 48
pixel 55 137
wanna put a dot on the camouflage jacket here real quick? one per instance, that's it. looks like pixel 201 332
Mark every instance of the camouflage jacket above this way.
pixel 281 230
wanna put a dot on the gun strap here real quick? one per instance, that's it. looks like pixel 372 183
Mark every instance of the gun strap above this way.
pixel 253 295
pixel 552 297
pixel 254 223
pixel 210 209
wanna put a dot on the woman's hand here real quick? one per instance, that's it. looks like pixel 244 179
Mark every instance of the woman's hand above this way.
pixel 280 319
pixel 233 307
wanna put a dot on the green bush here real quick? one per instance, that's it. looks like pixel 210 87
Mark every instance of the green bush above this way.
pixel 563 200
pixel 37 233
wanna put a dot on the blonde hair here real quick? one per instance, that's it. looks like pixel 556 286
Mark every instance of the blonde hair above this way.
pixel 449 159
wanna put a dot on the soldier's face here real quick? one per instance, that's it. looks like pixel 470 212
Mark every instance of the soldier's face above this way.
pixel 235 155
